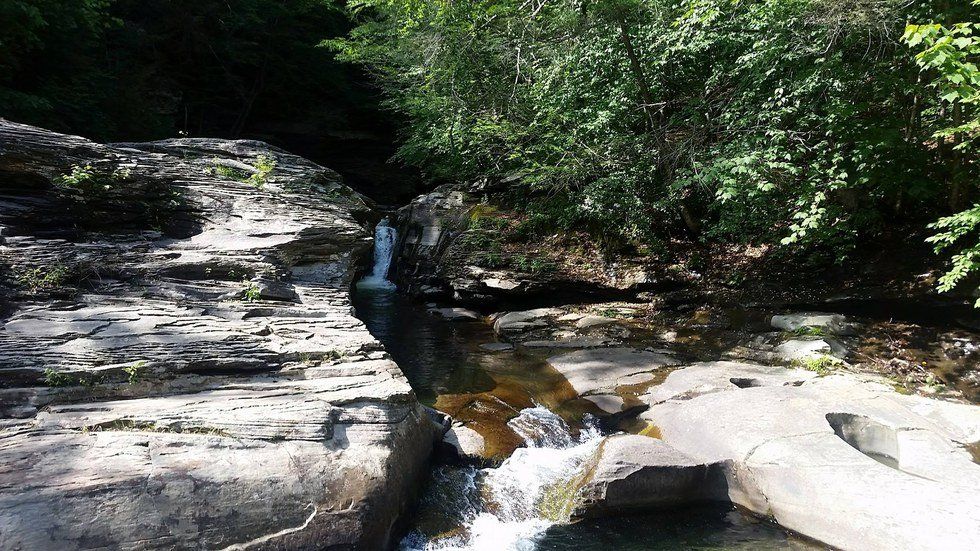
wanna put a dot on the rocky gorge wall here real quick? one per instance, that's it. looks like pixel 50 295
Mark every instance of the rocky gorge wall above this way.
pixel 179 365
pixel 455 245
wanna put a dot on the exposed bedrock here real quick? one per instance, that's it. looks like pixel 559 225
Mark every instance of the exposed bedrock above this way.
pixel 436 260
pixel 179 366
pixel 843 459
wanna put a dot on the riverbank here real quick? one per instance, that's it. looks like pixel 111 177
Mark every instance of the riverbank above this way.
pixel 179 366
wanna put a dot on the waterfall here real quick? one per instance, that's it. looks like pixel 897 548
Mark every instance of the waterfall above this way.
pixel 510 507
pixel 384 248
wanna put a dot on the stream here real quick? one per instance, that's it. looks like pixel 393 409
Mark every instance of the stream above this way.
pixel 538 435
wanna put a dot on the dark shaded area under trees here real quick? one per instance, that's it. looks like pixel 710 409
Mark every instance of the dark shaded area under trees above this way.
pixel 131 70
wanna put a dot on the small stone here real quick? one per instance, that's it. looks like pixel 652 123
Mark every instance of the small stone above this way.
pixel 593 321
pixel 497 346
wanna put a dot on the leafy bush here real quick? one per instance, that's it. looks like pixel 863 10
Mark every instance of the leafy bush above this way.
pixel 801 123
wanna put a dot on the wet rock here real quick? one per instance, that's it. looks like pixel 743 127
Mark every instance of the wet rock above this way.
pixel 204 383
pixel 834 324
pixel 609 403
pixel 603 370
pixel 467 444
pixel 842 459
pixel 497 346
pixel 516 322
pixel 593 321
pixel 455 313
pixel 632 472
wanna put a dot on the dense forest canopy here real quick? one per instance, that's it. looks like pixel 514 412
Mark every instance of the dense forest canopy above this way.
pixel 131 69
pixel 805 123
pixel 810 125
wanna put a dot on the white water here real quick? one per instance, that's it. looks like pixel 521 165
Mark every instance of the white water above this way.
pixel 501 509
pixel 384 248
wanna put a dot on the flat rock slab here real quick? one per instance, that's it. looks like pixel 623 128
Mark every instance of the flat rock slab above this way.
pixel 603 370
pixel 842 459
pixel 632 472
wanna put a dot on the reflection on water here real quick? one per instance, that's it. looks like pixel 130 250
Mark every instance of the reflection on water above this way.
pixel 512 399
pixel 706 527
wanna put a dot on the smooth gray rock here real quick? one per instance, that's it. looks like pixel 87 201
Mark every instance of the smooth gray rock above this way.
pixel 467 443
pixel 795 350
pixel 148 401
pixel 834 324
pixel 631 472
pixel 842 459
pixel 603 370
pixel 593 321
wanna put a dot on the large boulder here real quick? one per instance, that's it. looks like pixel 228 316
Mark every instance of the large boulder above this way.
pixel 180 365
pixel 632 472
pixel 842 459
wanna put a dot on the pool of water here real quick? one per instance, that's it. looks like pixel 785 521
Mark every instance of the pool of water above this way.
pixel 539 433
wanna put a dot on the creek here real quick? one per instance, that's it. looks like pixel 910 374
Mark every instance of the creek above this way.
pixel 538 434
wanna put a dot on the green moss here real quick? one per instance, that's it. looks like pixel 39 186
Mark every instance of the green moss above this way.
pixel 822 364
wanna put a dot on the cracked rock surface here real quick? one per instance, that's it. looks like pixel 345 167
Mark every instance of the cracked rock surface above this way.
pixel 843 459
pixel 179 365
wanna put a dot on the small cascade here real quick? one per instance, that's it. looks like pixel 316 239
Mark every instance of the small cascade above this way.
pixel 510 507
pixel 384 249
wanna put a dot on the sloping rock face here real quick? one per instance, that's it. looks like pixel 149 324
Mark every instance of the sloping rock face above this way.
pixel 842 459
pixel 437 260
pixel 179 366
pixel 632 472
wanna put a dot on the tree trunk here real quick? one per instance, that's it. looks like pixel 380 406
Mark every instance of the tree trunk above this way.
pixel 637 68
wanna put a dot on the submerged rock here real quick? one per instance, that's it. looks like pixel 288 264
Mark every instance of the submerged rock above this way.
pixel 842 459
pixel 180 362
pixel 455 313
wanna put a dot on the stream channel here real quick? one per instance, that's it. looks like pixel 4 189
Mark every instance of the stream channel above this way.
pixel 538 435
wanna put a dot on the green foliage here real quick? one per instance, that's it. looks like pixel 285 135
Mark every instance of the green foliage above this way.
pixel 263 169
pixel 263 165
pixel 251 292
pixel 808 331
pixel 54 378
pixel 803 123
pixel 951 53
pixel 822 364
pixel 135 371
pixel 44 279
pixel 89 181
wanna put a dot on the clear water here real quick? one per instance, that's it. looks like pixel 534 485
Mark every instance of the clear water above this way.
pixel 523 409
